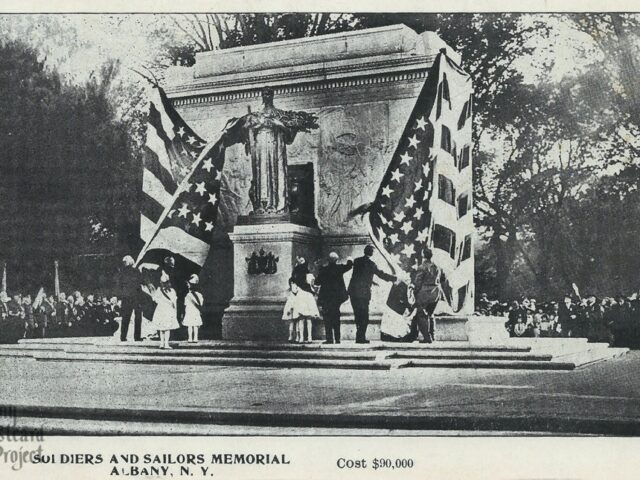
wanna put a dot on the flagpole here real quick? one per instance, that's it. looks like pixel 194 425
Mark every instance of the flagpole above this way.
pixel 168 208
pixel 4 277
pixel 56 279
pixel 379 247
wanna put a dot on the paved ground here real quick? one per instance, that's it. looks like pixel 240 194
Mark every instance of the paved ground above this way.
pixel 603 398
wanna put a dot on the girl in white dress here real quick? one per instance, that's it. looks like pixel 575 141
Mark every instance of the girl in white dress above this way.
pixel 165 316
pixel 299 309
pixel 192 309
pixel 289 314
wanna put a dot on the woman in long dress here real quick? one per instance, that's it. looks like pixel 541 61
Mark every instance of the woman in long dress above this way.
pixel 165 316
pixel 192 309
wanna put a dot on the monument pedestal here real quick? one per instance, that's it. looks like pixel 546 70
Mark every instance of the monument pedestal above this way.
pixel 263 257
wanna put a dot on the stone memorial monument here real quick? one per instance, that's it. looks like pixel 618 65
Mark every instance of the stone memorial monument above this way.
pixel 289 194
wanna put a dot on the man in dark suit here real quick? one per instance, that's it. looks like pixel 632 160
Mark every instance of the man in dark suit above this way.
pixel 333 293
pixel 621 313
pixel 427 282
pixel 360 290
pixel 4 316
pixel 16 318
pixel 178 280
pixel 567 317
pixel 130 291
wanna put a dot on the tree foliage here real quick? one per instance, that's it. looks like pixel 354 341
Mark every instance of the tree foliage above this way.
pixel 68 176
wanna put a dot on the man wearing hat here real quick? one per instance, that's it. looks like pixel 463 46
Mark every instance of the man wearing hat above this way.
pixel 333 293
pixel 130 292
pixel 364 270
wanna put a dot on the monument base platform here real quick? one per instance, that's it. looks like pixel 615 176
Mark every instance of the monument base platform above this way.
pixel 260 319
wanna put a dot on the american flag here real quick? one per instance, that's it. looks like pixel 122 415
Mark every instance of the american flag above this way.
pixel 425 195
pixel 181 185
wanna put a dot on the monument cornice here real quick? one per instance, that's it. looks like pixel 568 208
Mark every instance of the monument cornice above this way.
pixel 273 237
pixel 345 75
pixel 283 232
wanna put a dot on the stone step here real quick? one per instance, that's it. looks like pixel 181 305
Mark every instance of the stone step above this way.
pixel 424 353
pixel 382 364
pixel 312 354
pixel 484 363
pixel 211 353
pixel 471 355
pixel 257 345
pixel 590 356
pixel 133 354
pixel 212 361
pixel 560 362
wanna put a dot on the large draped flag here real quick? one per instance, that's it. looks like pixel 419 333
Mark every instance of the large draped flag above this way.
pixel 425 195
pixel 181 185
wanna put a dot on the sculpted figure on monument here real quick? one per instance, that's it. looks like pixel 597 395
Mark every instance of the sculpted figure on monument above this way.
pixel 266 135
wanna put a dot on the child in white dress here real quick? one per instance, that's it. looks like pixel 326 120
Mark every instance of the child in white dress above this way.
pixel 165 316
pixel 300 308
pixel 289 313
pixel 192 309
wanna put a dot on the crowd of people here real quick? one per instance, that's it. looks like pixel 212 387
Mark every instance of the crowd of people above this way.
pixel 41 316
pixel 615 320
pixel 310 297
pixel 160 296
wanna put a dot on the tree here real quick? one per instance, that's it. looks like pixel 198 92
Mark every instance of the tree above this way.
pixel 616 36
pixel 68 170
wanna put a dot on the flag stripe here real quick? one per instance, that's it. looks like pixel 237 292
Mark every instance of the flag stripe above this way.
pixel 151 208
pixel 180 242
pixel 147 227
pixel 153 165
pixel 158 115
pixel 156 189
pixel 159 144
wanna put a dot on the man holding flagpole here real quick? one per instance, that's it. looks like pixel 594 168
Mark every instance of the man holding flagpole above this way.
pixel 364 269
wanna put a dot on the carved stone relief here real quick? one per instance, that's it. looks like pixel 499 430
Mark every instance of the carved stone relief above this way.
pixel 353 149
